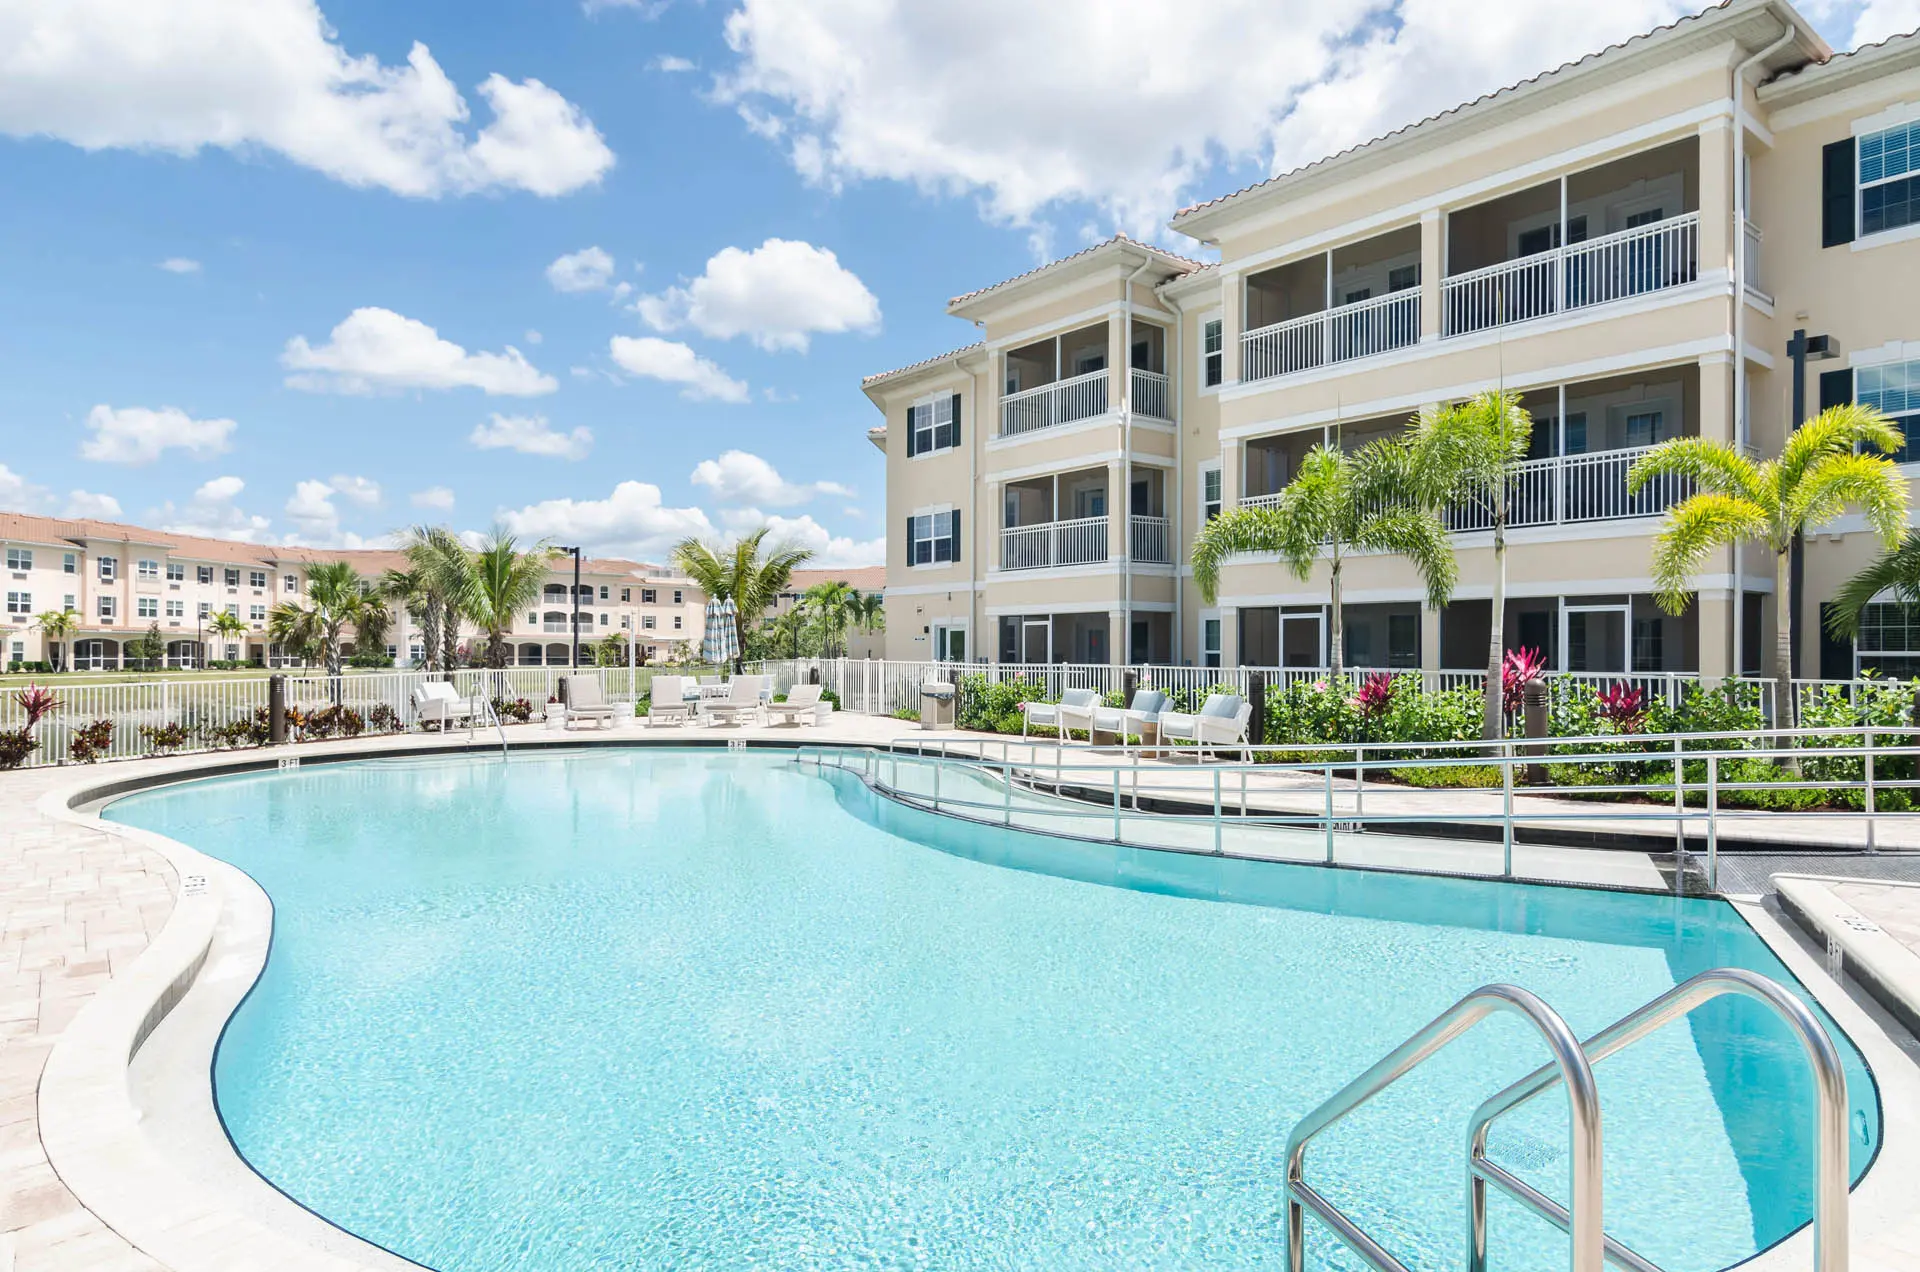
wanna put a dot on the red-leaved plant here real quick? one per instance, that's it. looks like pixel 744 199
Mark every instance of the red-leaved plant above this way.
pixel 1374 696
pixel 1624 707
pixel 1520 668
pixel 37 701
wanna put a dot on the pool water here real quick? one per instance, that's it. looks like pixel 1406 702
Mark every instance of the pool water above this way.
pixel 696 1009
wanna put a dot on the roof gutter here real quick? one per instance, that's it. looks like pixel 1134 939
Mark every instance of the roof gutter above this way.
pixel 1124 638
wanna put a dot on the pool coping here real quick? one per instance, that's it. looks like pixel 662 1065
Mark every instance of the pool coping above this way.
pixel 90 1123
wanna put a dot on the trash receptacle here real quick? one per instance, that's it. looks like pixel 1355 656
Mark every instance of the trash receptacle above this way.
pixel 936 705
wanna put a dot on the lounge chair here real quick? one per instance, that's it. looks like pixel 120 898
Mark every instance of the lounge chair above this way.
pixel 1075 707
pixel 1140 717
pixel 802 701
pixel 438 702
pixel 1221 721
pixel 669 701
pixel 743 698
pixel 586 703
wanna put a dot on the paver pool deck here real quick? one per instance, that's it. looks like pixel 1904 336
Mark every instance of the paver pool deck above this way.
pixel 82 903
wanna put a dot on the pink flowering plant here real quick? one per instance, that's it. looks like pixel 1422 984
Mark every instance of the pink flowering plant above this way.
pixel 1374 698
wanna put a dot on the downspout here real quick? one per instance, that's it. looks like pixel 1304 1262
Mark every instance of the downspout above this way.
pixel 973 508
pixel 1126 473
pixel 1742 426
pixel 1175 382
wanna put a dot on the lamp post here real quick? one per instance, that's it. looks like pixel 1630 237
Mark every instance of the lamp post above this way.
pixel 1802 348
pixel 575 550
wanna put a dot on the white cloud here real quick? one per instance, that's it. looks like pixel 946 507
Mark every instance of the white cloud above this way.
pixel 211 513
pixel 675 363
pixel 81 503
pixel 739 476
pixel 1882 18
pixel 589 269
pixel 433 498
pixel 777 294
pixel 360 490
pixel 136 435
pixel 670 64
pixel 630 522
pixel 375 350
pixel 830 551
pixel 1085 109
pixel 648 9
pixel 534 337
pixel 271 75
pixel 311 510
pixel 531 435
pixel 219 489
pixel 180 265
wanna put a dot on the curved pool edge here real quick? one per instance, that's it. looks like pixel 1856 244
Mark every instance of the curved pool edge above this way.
pixel 91 1128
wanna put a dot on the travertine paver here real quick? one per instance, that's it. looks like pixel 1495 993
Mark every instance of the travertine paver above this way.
pixel 1895 907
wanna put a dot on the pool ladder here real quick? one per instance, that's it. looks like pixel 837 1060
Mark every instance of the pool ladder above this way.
pixel 1572 1067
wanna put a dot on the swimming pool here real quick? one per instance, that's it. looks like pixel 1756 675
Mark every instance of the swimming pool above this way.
pixel 648 1008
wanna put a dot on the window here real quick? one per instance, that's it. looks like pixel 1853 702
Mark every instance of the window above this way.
pixel 1403 278
pixel 950 642
pixel 176 609
pixel 603 619
pixel 290 582
pixel 648 596
pixel 676 622
pixel 19 559
pixel 1210 642
pixel 1209 493
pixel 256 578
pixel 205 609
pixel 626 621
pixel 626 594
pixel 203 573
pixel 146 607
pixel 1890 179
pixel 70 564
pixel 676 601
pixel 148 569
pixel 67 603
pixel 176 573
pixel 932 425
pixel 605 592
pixel 109 606
pixel 1893 388
pixel 19 602
pixel 230 576
pixel 931 539
pixel 646 622
pixel 1890 639
pixel 1643 428
pixel 257 613
pixel 1212 352
pixel 109 567
pixel 233 610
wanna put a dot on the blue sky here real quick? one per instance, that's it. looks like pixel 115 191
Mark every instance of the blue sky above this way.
pixel 228 226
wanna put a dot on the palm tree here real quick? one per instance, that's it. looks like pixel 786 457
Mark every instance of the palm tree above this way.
pixel 868 611
pixel 1897 572
pixel 1338 503
pixel 742 573
pixel 783 631
pixel 829 602
pixel 505 581
pixel 443 576
pixel 337 597
pixel 1469 454
pixel 227 625
pixel 1821 472
pixel 406 589
pixel 58 626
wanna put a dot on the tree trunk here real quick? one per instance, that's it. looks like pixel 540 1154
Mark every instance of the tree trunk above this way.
pixel 449 636
pixel 1786 711
pixel 1496 719
pixel 430 633
pixel 1335 628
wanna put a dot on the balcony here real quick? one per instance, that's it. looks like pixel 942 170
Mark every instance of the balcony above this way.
pixel 1635 262
pixel 1359 330
pixel 1355 301
pixel 1756 280
pixel 1082 541
pixel 1148 541
pixel 1149 395
pixel 1066 378
pixel 1062 402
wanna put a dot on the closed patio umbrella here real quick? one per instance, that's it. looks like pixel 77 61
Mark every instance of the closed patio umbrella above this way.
pixel 722 642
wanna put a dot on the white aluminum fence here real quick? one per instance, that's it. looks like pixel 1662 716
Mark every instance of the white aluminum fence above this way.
pixel 1633 262
pixel 1081 541
pixel 1358 330
pixel 1585 487
pixel 1149 540
pixel 1061 402
pixel 1756 280
pixel 1150 395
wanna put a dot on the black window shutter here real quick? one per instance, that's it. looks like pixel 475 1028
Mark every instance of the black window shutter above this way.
pixel 1836 388
pixel 909 438
pixel 956 511
pixel 956 423
pixel 1836 652
pixel 910 560
pixel 1837 168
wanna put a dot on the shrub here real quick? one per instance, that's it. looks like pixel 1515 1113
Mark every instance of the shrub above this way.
pixel 164 739
pixel 336 720
pixel 90 742
pixel 15 746
pixel 36 702
pixel 1477 776
pixel 994 706
pixel 382 718
pixel 35 667
pixel 518 710
pixel 905 713
pixel 368 659
pixel 248 730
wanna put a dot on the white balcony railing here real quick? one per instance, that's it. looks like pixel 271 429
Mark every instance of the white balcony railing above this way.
pixel 1571 488
pixel 1150 395
pixel 1062 402
pixel 1082 541
pixel 1756 281
pixel 1359 330
pixel 1148 540
pixel 1646 258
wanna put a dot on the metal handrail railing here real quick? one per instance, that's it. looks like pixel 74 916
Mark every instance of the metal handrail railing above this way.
pixel 1570 1064
pixel 1830 1173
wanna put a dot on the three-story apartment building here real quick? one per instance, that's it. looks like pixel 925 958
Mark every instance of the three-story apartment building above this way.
pixel 1630 242
pixel 121 581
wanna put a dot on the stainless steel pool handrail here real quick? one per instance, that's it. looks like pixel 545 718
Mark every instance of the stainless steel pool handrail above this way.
pixel 1830 1158
pixel 1569 1064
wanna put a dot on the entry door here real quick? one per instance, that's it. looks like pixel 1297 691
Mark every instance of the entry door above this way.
pixel 1301 641
pixel 1137 651
pixel 1034 640
pixel 949 643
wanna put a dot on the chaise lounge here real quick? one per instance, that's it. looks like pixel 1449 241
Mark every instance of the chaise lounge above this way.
pixel 586 702
pixel 669 701
pixel 1141 718
pixel 803 701
pixel 1074 710
pixel 438 702
pixel 1221 721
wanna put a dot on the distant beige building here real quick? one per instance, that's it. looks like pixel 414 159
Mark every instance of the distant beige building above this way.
pixel 1630 241
pixel 122 580
pixel 868 580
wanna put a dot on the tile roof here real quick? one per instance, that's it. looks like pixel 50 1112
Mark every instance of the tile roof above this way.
pixel 863 578
pixel 1085 251
pixel 924 362
pixel 1839 60
pixel 1607 52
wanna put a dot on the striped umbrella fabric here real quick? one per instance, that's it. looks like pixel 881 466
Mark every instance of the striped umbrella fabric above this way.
pixel 722 643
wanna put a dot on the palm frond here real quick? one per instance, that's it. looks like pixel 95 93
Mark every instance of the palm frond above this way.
pixel 1838 480
pixel 1421 537
pixel 1897 572
pixel 1695 527
pixel 1711 467
pixel 1231 533
pixel 1838 430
